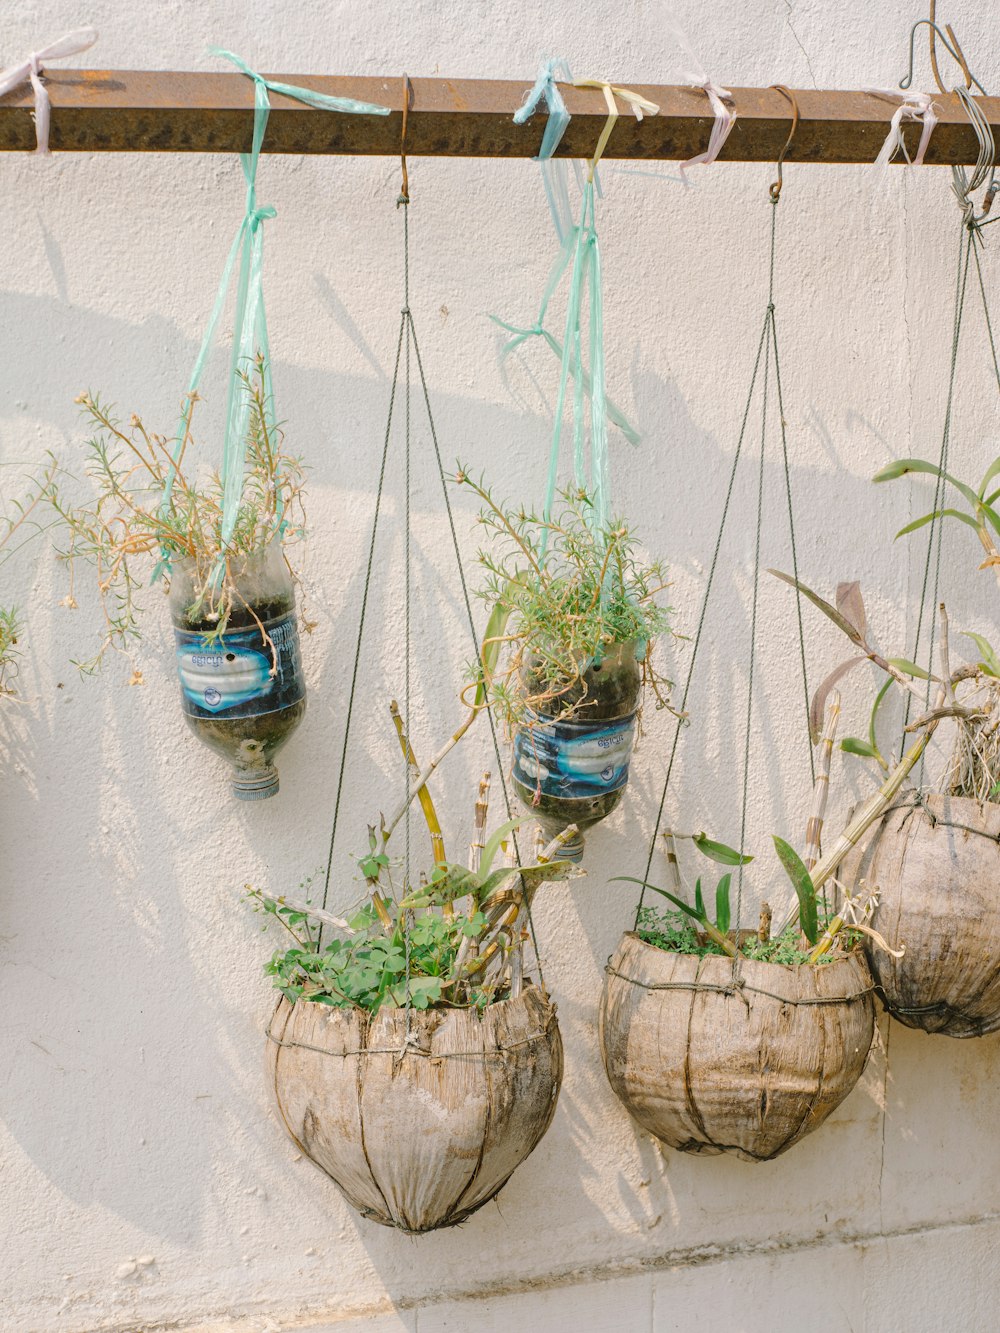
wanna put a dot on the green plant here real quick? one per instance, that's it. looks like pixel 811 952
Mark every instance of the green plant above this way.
pixel 974 768
pixel 151 509
pixel 717 932
pixel 451 939
pixel 566 591
pixel 982 517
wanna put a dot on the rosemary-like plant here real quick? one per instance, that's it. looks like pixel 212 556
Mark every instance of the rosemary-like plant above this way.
pixel 567 591
pixel 130 527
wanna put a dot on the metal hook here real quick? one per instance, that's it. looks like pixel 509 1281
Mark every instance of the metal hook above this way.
pixel 404 194
pixel 775 190
pixel 955 51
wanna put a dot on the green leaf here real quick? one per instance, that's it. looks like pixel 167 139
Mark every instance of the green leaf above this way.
pixel 938 513
pixel 492 645
pixel 493 845
pixel 805 890
pixel 909 668
pixel 699 901
pixel 903 466
pixel 992 471
pixel 722 909
pixel 990 662
pixel 677 902
pixel 991 514
pixel 718 851
pixel 854 745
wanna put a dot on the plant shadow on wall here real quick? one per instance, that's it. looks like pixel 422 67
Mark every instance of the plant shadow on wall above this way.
pixel 125 757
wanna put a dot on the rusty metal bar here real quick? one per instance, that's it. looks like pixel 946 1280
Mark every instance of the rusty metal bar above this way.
pixel 149 111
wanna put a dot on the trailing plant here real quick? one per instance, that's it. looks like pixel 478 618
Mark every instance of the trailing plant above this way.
pixel 566 591
pixel 450 939
pixel 154 507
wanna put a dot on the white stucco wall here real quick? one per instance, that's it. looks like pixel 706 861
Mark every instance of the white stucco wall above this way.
pixel 144 1179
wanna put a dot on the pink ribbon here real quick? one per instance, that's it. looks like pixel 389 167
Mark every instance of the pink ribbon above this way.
pixel 30 69
pixel 725 119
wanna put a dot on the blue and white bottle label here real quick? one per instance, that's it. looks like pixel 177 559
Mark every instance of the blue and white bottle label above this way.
pixel 235 675
pixel 575 759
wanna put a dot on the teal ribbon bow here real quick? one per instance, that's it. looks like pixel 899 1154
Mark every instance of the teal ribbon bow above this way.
pixel 249 318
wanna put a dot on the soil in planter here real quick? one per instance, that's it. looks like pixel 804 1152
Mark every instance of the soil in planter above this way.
pixel 231 700
pixel 575 772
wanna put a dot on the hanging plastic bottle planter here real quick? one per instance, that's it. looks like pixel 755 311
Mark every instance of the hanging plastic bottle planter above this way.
pixel 579 602
pixel 242 691
pixel 217 541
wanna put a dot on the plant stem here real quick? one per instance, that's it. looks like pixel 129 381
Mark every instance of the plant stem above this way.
pixel 426 801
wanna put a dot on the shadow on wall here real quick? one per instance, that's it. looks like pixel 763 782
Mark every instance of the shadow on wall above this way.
pixel 114 958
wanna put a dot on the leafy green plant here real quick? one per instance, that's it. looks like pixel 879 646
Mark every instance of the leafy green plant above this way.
pixel 129 528
pixel 974 768
pixel 565 592
pixel 982 515
pixel 689 928
pixel 452 939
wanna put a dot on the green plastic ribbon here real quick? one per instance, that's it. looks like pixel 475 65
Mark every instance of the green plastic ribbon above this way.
pixel 580 255
pixel 249 318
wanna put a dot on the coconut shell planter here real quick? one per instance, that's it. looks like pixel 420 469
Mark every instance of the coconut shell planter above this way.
pixel 709 1064
pixel 421 1119
pixel 576 771
pixel 242 691
pixel 936 866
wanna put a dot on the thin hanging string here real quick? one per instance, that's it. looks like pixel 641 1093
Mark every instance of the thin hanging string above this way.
pixel 754 600
pixel 407 331
pixel 249 319
pixel 935 528
pixel 767 343
pixel 407 575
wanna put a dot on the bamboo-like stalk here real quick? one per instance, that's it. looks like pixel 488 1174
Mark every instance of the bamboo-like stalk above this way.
pixel 821 789
pixel 870 811
pixel 426 801
pixel 479 824
pixel 673 869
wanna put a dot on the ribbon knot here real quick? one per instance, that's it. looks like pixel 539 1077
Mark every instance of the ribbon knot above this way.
pixel 912 107
pixel 30 70
pixel 261 214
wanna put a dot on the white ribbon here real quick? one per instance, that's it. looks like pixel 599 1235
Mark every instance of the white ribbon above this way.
pixel 913 106
pixel 30 69
pixel 695 74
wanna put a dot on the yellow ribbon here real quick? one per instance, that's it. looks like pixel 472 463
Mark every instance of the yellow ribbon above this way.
pixel 638 103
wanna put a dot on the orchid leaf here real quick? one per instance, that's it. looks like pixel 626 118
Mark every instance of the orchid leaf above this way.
pixel 719 852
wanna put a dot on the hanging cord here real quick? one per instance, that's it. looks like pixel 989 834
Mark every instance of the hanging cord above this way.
pixel 964 186
pixel 407 331
pixel 767 344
